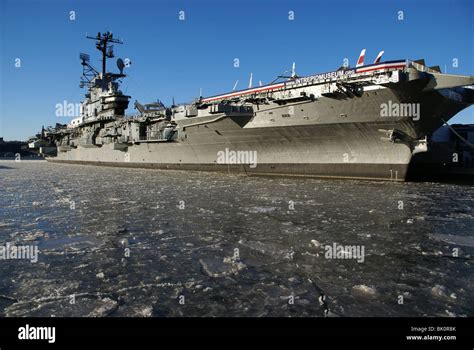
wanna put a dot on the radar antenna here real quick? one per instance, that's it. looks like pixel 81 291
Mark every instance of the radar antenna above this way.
pixel 103 44
pixel 88 72
pixel 120 65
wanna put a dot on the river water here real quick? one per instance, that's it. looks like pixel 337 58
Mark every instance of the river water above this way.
pixel 134 242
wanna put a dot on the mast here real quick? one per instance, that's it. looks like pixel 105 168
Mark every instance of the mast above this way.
pixel 103 42
pixel 103 97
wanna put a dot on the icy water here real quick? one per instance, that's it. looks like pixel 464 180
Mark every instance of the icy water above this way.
pixel 134 242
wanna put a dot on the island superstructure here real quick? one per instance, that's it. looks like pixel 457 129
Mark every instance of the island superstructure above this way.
pixel 364 122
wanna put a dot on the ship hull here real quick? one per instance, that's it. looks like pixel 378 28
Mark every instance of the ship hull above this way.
pixel 346 150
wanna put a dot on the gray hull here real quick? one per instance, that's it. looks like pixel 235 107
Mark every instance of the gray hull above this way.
pixel 348 150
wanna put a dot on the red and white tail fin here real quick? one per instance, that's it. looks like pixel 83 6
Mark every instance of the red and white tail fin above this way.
pixel 360 61
pixel 379 56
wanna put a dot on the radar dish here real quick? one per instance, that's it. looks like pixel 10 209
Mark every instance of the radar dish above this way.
pixel 120 65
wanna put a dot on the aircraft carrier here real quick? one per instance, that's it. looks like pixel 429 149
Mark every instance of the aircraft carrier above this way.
pixel 362 122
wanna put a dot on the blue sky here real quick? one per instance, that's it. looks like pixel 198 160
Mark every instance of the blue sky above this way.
pixel 173 58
